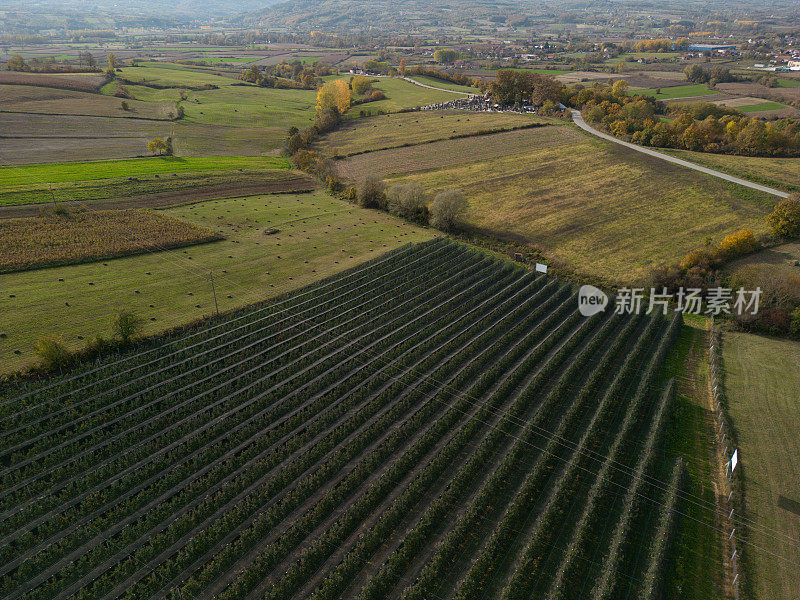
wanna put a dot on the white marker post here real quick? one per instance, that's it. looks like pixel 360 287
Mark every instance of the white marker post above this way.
pixel 540 268
pixel 732 464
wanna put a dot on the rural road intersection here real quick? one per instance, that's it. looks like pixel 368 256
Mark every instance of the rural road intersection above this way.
pixel 576 116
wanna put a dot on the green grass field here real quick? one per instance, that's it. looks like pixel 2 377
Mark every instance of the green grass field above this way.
pixel 403 94
pixel 593 207
pixel 137 167
pixel 467 89
pixel 232 119
pixel 788 83
pixel 53 138
pixel 779 172
pixel 391 131
pixel 762 383
pixel 678 91
pixel 172 74
pixel 231 105
pixel 318 236
pixel 697 571
pixel 762 106
pixel 247 105
pixel 236 106
pixel 307 60
pixel 42 100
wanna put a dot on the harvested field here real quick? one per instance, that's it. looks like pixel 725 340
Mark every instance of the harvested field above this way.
pixel 164 193
pixel 579 76
pixel 740 102
pixel 82 82
pixel 407 129
pixel 771 110
pixel 61 237
pixel 52 101
pixel 434 423
pixel 778 94
pixel 54 139
pixel 765 108
pixel 448 153
pixel 318 236
pixel 149 182
pixel 594 207
pixel 40 126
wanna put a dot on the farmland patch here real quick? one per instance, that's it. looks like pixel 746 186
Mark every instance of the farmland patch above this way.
pixel 63 236
pixel 318 236
pixel 406 129
pixel 429 417
pixel 761 385
pixel 599 209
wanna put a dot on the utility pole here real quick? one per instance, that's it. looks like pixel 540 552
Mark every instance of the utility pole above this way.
pixel 214 291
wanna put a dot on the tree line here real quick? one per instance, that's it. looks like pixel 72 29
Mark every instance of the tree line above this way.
pixel 511 87
pixel 696 126
pixel 710 266
pixel 287 75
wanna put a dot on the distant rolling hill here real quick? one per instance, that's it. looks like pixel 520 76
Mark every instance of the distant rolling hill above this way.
pixel 395 15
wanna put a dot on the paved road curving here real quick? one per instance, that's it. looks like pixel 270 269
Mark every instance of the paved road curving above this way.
pixel 431 87
pixel 576 116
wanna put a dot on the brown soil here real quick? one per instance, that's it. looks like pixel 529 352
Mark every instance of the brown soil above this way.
pixel 755 89
pixel 86 82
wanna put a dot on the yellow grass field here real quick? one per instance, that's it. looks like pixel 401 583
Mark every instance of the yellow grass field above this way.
pixel 600 209
pixel 781 172
pixel 406 129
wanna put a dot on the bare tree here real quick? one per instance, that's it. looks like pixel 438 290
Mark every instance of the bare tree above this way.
pixel 448 210
pixel 372 192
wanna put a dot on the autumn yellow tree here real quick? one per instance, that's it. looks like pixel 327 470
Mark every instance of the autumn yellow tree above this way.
pixel 360 84
pixel 334 95
pixel 157 146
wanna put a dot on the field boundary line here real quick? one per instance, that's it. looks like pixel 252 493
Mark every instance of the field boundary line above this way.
pixel 47 114
pixel 734 494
